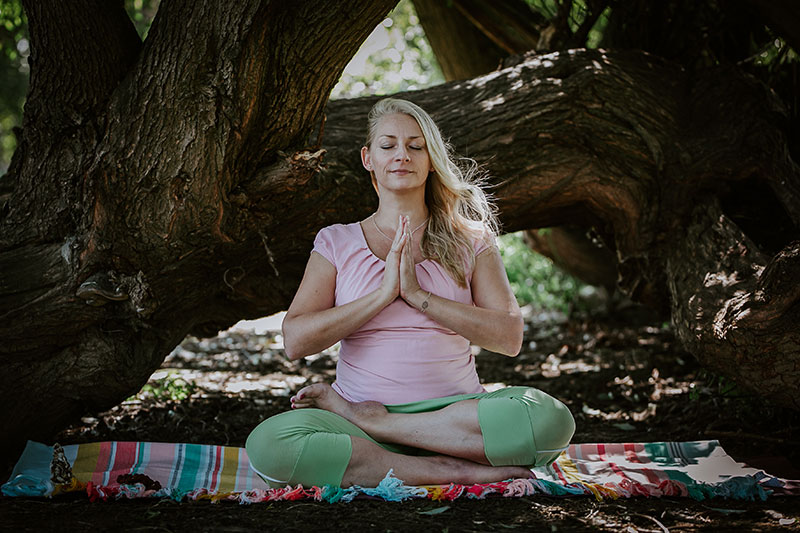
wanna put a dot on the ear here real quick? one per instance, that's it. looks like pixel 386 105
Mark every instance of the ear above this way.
pixel 366 160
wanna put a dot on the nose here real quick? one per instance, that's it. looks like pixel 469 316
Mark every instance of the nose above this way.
pixel 402 154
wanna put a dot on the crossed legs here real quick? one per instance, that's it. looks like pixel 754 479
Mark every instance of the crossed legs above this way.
pixel 474 438
pixel 453 432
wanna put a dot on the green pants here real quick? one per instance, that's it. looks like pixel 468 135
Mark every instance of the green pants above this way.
pixel 521 426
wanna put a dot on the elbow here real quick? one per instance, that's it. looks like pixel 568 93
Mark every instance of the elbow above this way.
pixel 291 352
pixel 294 352
pixel 292 347
pixel 513 344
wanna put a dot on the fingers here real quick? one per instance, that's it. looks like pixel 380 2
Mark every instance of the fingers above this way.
pixel 301 401
pixel 401 235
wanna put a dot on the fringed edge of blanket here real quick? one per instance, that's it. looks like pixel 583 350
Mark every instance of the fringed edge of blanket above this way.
pixel 393 489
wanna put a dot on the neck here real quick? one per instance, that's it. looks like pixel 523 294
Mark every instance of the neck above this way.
pixel 388 213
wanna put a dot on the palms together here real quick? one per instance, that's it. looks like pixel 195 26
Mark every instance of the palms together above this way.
pixel 400 277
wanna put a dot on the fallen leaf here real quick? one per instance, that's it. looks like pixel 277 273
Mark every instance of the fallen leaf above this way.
pixel 438 510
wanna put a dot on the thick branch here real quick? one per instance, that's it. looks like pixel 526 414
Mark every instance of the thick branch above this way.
pixel 571 249
pixel 79 53
pixel 80 50
pixel 511 24
pixel 734 309
pixel 462 50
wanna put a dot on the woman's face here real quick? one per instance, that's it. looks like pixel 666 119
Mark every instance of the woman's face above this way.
pixel 398 156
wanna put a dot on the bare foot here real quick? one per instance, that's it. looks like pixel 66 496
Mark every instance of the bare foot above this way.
pixel 366 415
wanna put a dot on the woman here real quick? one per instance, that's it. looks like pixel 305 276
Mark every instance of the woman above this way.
pixel 406 290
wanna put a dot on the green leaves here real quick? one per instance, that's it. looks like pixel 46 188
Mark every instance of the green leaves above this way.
pixel 533 277
pixel 170 387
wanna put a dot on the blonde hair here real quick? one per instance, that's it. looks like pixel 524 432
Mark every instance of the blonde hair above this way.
pixel 460 211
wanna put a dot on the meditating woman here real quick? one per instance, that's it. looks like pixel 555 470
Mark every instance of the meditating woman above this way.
pixel 406 291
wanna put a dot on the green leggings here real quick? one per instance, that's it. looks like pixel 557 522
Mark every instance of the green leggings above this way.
pixel 520 425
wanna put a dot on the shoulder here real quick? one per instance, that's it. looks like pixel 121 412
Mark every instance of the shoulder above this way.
pixel 338 233
pixel 336 241
pixel 482 239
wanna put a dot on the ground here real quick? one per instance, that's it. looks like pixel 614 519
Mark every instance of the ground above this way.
pixel 620 373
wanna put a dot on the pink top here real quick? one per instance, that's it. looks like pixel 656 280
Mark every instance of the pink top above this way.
pixel 400 355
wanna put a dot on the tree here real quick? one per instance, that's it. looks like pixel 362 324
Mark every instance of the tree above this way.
pixel 175 185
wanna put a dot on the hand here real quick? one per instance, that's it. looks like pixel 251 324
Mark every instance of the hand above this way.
pixel 390 286
pixel 409 286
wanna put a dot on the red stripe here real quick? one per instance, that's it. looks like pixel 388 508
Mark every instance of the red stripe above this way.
pixel 103 457
pixel 631 456
pixel 601 452
pixel 215 471
pixel 560 474
pixel 123 460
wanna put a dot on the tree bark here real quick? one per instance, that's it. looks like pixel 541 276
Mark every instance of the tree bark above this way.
pixel 215 167
pixel 735 308
pixel 462 50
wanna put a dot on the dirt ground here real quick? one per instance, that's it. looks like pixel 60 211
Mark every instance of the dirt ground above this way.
pixel 621 375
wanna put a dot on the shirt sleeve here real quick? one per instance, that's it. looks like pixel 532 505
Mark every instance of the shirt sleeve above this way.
pixel 323 245
pixel 484 242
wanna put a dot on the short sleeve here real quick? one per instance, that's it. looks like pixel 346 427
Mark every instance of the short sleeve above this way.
pixel 484 242
pixel 323 244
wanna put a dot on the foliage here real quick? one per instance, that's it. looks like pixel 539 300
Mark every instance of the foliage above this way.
pixel 142 13
pixel 170 387
pixel 534 279
pixel 14 71
pixel 396 57
pixel 576 12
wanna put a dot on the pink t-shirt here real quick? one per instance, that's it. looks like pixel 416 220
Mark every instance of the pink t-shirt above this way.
pixel 400 355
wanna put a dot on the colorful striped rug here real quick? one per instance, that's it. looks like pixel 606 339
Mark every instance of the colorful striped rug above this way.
pixel 114 470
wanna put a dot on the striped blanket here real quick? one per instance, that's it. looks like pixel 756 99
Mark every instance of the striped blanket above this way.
pixel 114 470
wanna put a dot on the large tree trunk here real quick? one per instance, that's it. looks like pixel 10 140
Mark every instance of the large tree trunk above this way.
pixel 188 196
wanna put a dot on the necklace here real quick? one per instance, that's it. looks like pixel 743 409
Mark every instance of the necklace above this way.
pixel 372 216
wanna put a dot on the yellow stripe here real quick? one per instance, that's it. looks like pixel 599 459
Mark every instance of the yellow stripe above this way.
pixel 86 461
pixel 230 464
pixel 569 468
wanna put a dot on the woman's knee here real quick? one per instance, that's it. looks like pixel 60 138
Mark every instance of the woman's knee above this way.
pixel 552 422
pixel 524 426
pixel 273 450
pixel 307 446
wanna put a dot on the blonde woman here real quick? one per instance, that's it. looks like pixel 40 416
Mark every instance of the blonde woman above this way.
pixel 406 291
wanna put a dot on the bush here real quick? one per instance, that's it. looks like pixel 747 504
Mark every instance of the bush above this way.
pixel 534 279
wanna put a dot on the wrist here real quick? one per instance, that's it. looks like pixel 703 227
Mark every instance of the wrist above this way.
pixel 420 300
pixel 385 297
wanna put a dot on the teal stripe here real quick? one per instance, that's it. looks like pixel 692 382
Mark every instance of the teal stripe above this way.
pixel 660 454
pixel 138 466
pixel 191 464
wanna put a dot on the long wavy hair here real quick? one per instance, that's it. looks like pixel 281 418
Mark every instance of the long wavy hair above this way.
pixel 460 210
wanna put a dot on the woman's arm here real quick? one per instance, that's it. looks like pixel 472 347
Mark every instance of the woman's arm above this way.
pixel 494 322
pixel 313 322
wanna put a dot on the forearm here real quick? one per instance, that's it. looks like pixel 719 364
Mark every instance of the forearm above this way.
pixel 492 329
pixel 310 333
